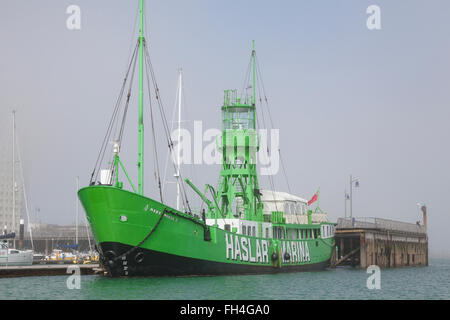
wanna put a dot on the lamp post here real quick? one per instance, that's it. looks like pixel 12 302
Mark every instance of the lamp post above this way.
pixel 356 181
pixel 346 197
pixel 345 204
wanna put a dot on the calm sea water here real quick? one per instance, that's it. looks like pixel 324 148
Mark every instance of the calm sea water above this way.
pixel 432 282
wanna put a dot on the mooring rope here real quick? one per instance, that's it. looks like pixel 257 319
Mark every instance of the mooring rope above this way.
pixel 145 239
pixel 165 211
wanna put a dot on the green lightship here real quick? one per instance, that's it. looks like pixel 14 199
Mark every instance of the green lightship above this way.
pixel 245 230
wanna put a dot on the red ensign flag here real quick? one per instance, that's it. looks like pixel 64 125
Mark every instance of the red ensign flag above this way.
pixel 314 198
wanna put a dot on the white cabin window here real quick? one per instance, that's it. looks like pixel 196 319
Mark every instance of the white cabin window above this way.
pixel 280 234
pixel 299 208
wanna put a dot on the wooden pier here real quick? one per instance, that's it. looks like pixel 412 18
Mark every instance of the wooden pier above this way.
pixel 386 243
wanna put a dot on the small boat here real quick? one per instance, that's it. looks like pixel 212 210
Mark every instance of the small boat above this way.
pixel 14 257
pixel 38 258
pixel 59 256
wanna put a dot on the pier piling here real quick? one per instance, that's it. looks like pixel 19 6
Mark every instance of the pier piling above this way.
pixel 381 242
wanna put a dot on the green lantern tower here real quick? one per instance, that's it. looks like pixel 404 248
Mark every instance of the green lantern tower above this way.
pixel 238 195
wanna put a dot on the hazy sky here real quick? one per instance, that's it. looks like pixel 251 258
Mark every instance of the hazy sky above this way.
pixel 347 100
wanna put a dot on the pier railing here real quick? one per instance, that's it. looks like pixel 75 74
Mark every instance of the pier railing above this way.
pixel 379 223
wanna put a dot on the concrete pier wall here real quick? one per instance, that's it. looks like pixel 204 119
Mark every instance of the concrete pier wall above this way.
pixel 388 250
pixel 384 247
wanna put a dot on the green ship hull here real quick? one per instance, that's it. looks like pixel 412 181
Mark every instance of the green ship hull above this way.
pixel 138 236
pixel 244 230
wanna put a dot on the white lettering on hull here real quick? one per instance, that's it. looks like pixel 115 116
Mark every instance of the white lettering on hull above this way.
pixel 257 250
pixel 229 246
pixel 244 249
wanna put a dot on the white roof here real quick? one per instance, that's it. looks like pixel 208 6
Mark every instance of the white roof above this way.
pixel 269 195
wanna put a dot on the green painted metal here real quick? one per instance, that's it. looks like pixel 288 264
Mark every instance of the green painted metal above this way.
pixel 179 235
pixel 141 100
pixel 118 183
pixel 238 196
pixel 205 199
pixel 254 82
pixel 238 193
pixel 317 209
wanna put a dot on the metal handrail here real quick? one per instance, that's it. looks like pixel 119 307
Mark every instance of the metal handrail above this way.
pixel 379 223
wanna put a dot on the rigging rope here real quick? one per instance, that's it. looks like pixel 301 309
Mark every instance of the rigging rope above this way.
pixel 258 70
pixel 166 128
pixel 101 154
pixel 201 223
pixel 169 154
pixel 124 116
pixel 269 177
pixel 155 150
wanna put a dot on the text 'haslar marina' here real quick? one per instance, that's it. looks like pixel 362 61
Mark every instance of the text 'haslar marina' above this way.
pixel 241 248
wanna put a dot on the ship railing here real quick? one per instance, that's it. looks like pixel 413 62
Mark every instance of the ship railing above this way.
pixel 230 98
pixel 379 223
pixel 303 218
pixel 319 217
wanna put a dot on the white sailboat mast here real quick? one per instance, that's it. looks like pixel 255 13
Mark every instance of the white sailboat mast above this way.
pixel 24 193
pixel 14 173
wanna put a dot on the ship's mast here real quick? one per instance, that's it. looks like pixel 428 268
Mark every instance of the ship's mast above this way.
pixel 141 100
pixel 253 67
pixel 254 84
